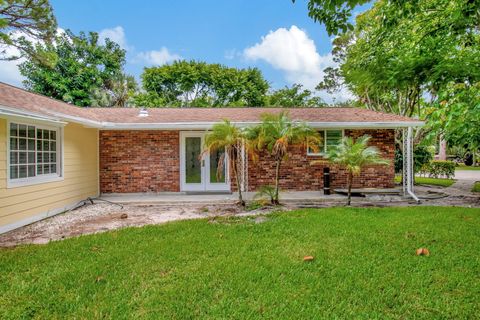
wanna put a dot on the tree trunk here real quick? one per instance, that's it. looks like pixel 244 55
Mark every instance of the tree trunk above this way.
pixel 277 180
pixel 237 180
pixel 349 184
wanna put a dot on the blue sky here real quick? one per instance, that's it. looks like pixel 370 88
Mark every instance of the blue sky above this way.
pixel 276 36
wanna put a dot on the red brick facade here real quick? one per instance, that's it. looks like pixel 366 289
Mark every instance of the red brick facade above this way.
pixel 139 161
pixel 297 172
pixel 149 161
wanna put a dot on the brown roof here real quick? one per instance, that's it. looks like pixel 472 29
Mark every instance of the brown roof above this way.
pixel 163 115
pixel 22 100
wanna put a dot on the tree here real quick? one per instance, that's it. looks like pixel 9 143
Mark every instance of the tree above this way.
pixel 21 21
pixel 276 134
pixel 294 96
pixel 404 61
pixel 83 66
pixel 353 156
pixel 335 14
pixel 193 83
pixel 117 93
pixel 226 136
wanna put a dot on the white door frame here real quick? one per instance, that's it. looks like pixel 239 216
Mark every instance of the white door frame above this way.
pixel 205 184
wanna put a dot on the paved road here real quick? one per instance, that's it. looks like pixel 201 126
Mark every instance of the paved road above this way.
pixel 464 184
pixel 467 175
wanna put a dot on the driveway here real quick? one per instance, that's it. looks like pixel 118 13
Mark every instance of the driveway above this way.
pixel 467 175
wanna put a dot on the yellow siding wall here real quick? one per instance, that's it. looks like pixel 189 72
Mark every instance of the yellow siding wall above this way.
pixel 80 178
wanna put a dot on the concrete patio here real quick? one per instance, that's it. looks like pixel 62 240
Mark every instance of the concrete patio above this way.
pixel 210 198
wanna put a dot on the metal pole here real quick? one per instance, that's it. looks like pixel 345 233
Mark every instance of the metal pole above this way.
pixel 410 174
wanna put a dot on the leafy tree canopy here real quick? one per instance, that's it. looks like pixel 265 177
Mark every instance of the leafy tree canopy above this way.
pixel 295 96
pixel 193 83
pixel 84 65
pixel 22 21
pixel 412 61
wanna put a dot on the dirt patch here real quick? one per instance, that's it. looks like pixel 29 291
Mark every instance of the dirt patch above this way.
pixel 102 217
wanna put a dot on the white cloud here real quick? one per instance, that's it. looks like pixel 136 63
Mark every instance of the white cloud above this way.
pixel 157 57
pixel 231 54
pixel 9 72
pixel 294 53
pixel 116 34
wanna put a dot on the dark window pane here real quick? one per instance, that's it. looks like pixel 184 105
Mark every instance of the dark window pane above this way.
pixel 31 132
pixel 13 144
pixel 53 168
pixel 39 145
pixel 31 144
pixel 333 137
pixel 13 129
pixel 53 146
pixel 39 169
pixel 39 133
pixel 45 134
pixel 13 157
pixel 193 168
pixel 46 157
pixel 31 157
pixel 13 172
pixel 46 169
pixel 31 171
pixel 217 166
pixel 22 130
pixel 22 144
pixel 39 157
pixel 53 157
pixel 22 171
pixel 46 146
pixel 53 135
pixel 22 157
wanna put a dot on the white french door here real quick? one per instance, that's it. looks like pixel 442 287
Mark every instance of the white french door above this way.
pixel 200 171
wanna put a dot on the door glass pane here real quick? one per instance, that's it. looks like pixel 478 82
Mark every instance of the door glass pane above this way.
pixel 217 172
pixel 193 168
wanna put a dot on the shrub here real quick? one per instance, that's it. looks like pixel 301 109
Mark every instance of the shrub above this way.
pixel 264 194
pixel 439 169
pixel 421 155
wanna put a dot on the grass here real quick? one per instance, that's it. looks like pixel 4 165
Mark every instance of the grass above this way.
pixel 469 168
pixel 365 267
pixel 442 182
pixel 476 187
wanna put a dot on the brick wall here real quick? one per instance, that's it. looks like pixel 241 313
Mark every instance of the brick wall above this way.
pixel 149 161
pixel 139 161
pixel 297 172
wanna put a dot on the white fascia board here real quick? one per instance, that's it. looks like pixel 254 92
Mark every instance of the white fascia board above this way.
pixel 208 125
pixel 366 125
pixel 19 115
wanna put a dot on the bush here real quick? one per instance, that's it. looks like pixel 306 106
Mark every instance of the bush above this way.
pixel 421 155
pixel 265 194
pixel 439 169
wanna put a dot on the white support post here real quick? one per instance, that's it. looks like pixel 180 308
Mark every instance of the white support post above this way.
pixel 242 166
pixel 409 164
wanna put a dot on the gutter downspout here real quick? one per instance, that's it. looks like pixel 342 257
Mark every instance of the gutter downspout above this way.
pixel 410 174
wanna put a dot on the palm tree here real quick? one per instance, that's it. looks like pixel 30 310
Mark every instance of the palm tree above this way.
pixel 354 155
pixel 228 137
pixel 276 134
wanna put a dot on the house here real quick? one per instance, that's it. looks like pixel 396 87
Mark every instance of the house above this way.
pixel 53 155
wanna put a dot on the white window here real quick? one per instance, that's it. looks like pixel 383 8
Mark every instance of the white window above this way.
pixel 330 138
pixel 34 153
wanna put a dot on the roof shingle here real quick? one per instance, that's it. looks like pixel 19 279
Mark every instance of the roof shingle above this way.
pixel 23 100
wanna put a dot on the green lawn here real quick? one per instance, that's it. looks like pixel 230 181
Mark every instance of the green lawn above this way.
pixel 430 181
pixel 476 187
pixel 365 267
